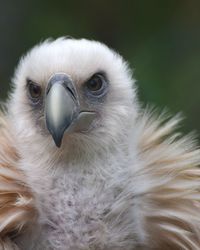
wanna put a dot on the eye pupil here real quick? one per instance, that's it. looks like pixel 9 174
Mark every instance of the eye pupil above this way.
pixel 34 90
pixel 95 83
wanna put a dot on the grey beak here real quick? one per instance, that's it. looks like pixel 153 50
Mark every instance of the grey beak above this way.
pixel 61 107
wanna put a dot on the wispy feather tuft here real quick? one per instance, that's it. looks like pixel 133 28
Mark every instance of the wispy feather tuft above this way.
pixel 172 195
pixel 16 201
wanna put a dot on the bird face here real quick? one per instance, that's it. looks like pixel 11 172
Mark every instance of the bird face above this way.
pixel 72 87
pixel 63 111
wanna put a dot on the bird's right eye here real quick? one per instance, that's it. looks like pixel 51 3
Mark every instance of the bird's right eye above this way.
pixel 34 91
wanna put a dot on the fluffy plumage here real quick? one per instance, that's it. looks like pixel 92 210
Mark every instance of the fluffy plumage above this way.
pixel 16 201
pixel 130 182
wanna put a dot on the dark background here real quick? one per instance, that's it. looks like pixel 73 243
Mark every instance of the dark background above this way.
pixel 160 39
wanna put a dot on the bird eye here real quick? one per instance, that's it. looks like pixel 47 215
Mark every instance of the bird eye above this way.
pixel 34 90
pixel 96 84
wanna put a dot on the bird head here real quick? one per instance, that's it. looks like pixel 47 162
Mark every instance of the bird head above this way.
pixel 70 90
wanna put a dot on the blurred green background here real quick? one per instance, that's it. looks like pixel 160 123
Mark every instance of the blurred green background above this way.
pixel 160 39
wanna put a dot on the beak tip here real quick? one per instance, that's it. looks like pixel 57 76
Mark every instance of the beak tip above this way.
pixel 56 135
pixel 57 139
pixel 58 145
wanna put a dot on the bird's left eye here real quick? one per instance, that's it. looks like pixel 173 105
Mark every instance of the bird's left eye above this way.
pixel 96 85
pixel 35 91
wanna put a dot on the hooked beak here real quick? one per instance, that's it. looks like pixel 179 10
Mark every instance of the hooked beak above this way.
pixel 62 108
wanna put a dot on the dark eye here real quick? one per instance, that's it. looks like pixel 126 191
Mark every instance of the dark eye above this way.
pixel 35 91
pixel 96 84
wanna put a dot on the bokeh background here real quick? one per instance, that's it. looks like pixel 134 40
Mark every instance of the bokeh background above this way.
pixel 160 39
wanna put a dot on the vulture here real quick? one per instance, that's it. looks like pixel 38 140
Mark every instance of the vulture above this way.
pixel 84 165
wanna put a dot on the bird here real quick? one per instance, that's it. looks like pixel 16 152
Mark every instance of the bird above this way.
pixel 84 165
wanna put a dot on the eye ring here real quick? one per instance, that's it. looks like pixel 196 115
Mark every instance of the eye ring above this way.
pixel 96 84
pixel 34 91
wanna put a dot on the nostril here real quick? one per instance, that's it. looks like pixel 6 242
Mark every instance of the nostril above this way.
pixel 71 92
